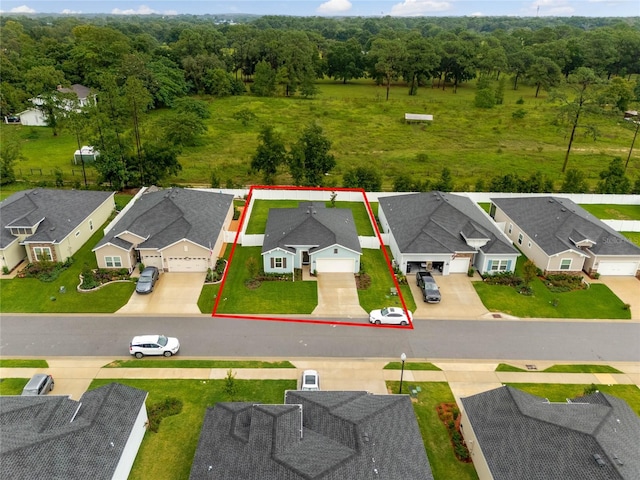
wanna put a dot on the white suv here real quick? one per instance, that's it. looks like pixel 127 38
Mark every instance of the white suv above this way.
pixel 153 345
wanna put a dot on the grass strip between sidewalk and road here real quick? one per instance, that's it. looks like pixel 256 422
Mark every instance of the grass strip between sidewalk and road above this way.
pixel 504 367
pixel 411 366
pixel 23 363
pixel 168 363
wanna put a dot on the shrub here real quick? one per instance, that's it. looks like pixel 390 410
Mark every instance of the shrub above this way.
pixel 558 283
pixel 164 408
pixel 471 271
pixel 504 278
pixel 5 270
pixel 45 271
pixel 519 114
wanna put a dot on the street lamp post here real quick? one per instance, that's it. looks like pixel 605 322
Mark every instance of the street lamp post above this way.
pixel 403 357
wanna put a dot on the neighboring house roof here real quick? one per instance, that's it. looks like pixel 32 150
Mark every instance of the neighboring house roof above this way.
pixel 315 435
pixel 167 216
pixel 437 222
pixel 311 224
pixel 527 437
pixel 558 224
pixel 80 90
pixel 56 213
pixel 56 437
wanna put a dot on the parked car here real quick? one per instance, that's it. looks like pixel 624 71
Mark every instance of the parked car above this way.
pixel 12 119
pixel 40 384
pixel 147 280
pixel 153 345
pixel 429 287
pixel 390 316
pixel 310 381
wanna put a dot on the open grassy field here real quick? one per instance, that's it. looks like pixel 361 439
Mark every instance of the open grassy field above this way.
pixel 368 131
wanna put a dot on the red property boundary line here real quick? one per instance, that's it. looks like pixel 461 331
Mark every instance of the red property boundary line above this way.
pixel 300 320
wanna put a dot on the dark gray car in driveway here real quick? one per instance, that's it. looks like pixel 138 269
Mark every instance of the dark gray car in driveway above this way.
pixel 147 280
pixel 429 287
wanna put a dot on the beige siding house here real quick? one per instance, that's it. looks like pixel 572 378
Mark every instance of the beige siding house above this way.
pixel 176 230
pixel 561 237
pixel 50 224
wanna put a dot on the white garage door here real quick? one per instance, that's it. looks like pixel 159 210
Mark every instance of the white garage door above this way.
pixel 187 264
pixel 618 268
pixel 339 265
pixel 459 265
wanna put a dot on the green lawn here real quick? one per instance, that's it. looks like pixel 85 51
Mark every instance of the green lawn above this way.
pixel 633 236
pixel 269 298
pixel 613 212
pixel 444 464
pixel 411 366
pixel 598 301
pixel 504 367
pixel 177 438
pixel 172 363
pixel 473 143
pixel 22 363
pixel 30 295
pixel 260 211
pixel 377 296
pixel 12 386
pixel 559 392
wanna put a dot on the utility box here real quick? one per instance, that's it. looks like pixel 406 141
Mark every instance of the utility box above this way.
pixel 85 154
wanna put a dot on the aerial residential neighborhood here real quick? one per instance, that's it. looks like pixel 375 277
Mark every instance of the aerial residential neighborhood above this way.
pixel 323 242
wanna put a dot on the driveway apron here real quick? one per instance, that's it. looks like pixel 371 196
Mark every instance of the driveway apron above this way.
pixel 338 296
pixel 459 299
pixel 174 293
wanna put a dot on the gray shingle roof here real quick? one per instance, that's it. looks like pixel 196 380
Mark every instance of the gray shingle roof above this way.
pixel 167 216
pixel 59 211
pixel 526 437
pixel 553 223
pixel 434 223
pixel 310 224
pixel 315 435
pixel 59 438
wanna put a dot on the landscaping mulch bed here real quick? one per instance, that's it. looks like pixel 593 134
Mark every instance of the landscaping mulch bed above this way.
pixel 449 414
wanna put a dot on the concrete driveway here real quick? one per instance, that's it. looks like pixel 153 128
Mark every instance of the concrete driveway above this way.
pixel 174 293
pixel 459 299
pixel 626 289
pixel 338 296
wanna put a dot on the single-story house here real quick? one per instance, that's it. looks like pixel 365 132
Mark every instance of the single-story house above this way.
pixel 323 238
pixel 443 232
pixel 512 434
pixel 35 117
pixel 50 224
pixel 176 230
pixel 314 435
pixel 52 436
pixel 562 237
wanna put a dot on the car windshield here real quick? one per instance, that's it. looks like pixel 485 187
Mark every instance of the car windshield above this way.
pixel 384 312
pixel 431 286
pixel 144 279
pixel 162 340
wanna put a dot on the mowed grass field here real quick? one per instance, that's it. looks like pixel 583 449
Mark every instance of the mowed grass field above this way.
pixel 365 130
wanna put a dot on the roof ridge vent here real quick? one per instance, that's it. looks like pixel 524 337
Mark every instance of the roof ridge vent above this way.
pixel 601 463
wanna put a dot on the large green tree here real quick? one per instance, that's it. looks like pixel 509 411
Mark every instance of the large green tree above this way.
pixel 269 155
pixel 309 159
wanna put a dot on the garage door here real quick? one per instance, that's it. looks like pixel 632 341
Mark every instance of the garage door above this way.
pixel 329 265
pixel 187 264
pixel 618 268
pixel 459 265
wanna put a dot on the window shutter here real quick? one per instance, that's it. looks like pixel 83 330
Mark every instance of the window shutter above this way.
pixel 284 262
pixel 272 262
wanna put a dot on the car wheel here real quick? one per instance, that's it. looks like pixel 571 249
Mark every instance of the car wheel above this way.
pixel 139 355
pixel 403 323
pixel 167 354
pixel 378 322
pixel 51 389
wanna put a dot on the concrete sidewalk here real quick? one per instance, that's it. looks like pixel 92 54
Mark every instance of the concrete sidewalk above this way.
pixel 73 375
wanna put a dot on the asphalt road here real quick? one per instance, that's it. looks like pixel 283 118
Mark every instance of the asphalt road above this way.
pixel 202 336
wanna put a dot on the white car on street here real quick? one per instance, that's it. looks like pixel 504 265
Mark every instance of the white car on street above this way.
pixel 310 381
pixel 153 345
pixel 390 316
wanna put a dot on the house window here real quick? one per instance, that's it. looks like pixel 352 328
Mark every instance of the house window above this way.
pixel 498 265
pixel 42 253
pixel 112 262
pixel 91 225
pixel 279 262
pixel 520 237
pixel 529 244
pixel 21 231
pixel 510 227
pixel 335 251
pixel 78 233
pixel 565 264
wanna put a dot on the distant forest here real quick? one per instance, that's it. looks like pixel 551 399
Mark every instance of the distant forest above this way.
pixel 182 55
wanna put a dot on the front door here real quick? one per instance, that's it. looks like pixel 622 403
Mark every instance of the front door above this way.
pixel 305 258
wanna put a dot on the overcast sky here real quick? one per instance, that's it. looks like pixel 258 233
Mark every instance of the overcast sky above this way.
pixel 531 8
